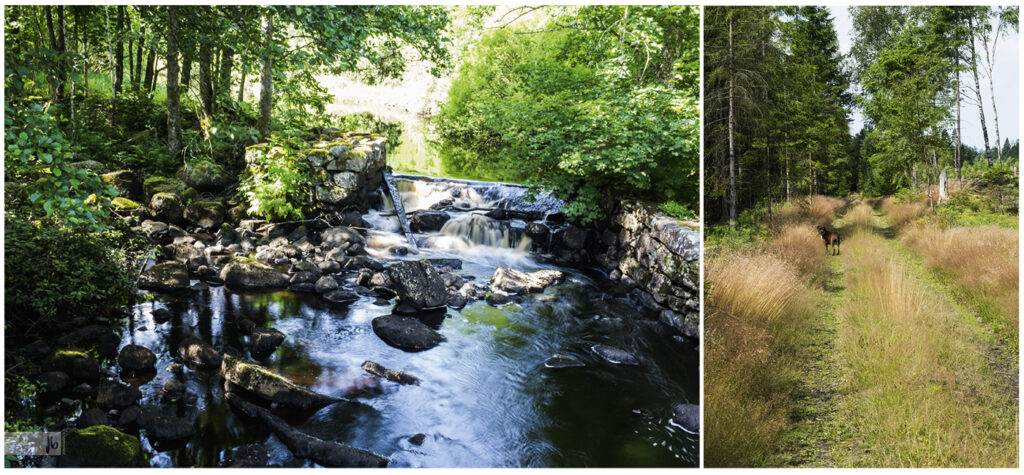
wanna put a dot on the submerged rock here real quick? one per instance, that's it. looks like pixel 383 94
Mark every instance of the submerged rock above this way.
pixel 198 353
pixel 102 446
pixel 165 277
pixel 136 358
pixel 559 361
pixel 418 284
pixel 341 296
pixel 164 429
pixel 162 315
pixel 518 282
pixel 272 387
pixel 399 377
pixel 117 396
pixel 263 341
pixel 323 452
pixel 250 273
pixel 687 416
pixel 406 333
pixel 249 456
pixel 615 355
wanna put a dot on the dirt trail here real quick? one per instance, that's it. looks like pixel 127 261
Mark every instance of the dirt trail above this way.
pixel 898 373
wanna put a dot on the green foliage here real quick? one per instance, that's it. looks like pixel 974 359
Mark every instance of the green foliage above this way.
pixel 366 122
pixel 56 271
pixel 572 112
pixel 677 210
pixel 37 154
pixel 277 184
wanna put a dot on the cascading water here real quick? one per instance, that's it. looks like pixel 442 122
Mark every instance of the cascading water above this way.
pixel 485 398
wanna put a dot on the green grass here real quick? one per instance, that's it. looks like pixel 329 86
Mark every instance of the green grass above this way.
pixel 918 390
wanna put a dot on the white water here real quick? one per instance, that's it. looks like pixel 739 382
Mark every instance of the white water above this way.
pixel 468 234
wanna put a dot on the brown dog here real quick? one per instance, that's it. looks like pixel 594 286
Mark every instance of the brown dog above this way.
pixel 830 237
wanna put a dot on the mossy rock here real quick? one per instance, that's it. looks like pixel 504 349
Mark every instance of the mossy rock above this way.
pixel 159 184
pixel 189 195
pixel 103 446
pixel 166 207
pixel 245 272
pixel 203 175
pixel 125 182
pixel 206 214
pixel 271 387
pixel 126 206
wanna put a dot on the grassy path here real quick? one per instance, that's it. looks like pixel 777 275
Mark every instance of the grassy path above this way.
pixel 901 375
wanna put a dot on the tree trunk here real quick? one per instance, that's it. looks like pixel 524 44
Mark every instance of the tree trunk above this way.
pixel 53 42
pixel 138 57
pixel 119 51
pixel 62 48
pixel 150 67
pixel 226 64
pixel 732 128
pixel 768 176
pixel 110 56
pixel 943 186
pixel 173 106
pixel 186 72
pixel 205 79
pixel 85 49
pixel 131 61
pixel 241 88
pixel 992 90
pixel 977 92
pixel 266 76
pixel 957 157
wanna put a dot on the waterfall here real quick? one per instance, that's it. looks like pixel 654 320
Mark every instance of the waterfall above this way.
pixel 481 230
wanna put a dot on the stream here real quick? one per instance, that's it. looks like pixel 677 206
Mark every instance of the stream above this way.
pixel 485 398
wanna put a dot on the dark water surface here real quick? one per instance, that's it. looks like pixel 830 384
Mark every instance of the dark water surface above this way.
pixel 485 398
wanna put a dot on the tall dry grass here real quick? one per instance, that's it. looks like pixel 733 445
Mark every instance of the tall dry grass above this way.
pixel 758 308
pixel 860 216
pixel 919 391
pixel 904 212
pixel 824 208
pixel 801 245
pixel 983 259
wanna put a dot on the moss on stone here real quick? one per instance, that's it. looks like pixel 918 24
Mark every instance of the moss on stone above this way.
pixel 103 446
pixel 124 204
pixel 160 184
pixel 70 354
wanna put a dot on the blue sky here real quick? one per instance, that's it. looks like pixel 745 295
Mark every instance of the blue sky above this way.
pixel 1005 80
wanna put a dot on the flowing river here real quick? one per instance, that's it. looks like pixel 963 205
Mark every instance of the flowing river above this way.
pixel 485 399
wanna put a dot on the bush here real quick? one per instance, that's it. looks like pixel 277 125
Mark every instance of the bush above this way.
pixel 54 271
pixel 276 184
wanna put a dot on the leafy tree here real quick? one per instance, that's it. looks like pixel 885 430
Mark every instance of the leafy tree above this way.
pixel 590 103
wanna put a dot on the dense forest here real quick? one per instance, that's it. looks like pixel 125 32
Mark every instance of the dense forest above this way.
pixel 779 99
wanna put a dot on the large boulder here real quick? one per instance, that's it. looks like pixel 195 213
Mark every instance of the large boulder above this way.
pixel 165 277
pixel 208 215
pixel 249 273
pixel 125 182
pixel 271 387
pixel 198 353
pixel 340 236
pixel 103 446
pixel 203 175
pixel 166 207
pixel 76 364
pixel 518 282
pixel 159 184
pixel 418 284
pixel 406 333
pixel 136 358
pixel 424 221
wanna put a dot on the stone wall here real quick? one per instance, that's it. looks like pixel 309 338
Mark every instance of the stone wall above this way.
pixel 346 167
pixel 656 258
